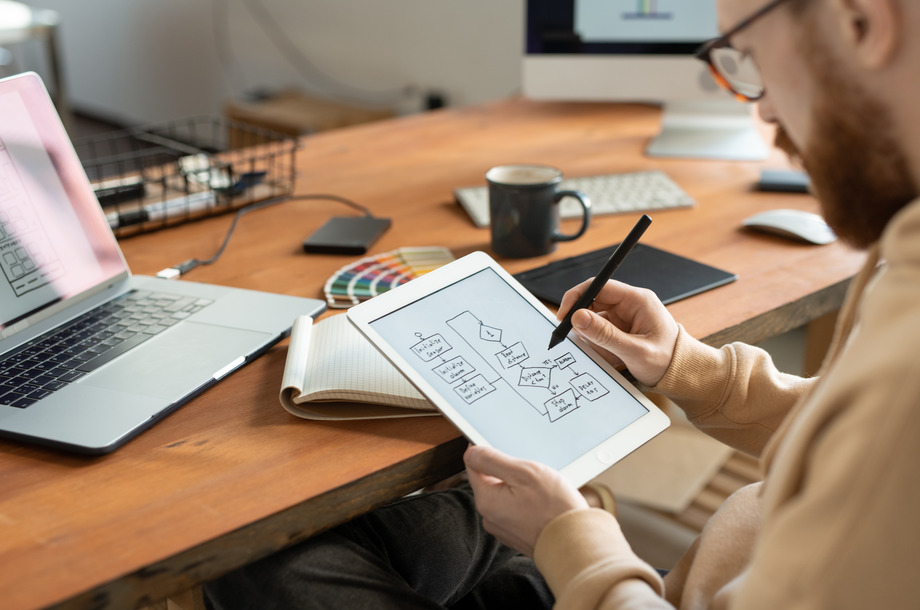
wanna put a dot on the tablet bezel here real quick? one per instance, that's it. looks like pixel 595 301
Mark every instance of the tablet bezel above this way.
pixel 583 468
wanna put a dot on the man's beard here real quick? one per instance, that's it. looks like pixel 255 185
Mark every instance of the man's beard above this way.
pixel 857 168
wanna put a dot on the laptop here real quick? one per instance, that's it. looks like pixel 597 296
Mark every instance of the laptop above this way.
pixel 91 355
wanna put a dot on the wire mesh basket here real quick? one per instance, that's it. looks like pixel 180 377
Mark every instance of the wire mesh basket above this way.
pixel 157 176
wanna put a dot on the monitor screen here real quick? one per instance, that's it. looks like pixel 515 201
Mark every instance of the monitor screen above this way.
pixel 647 27
pixel 639 51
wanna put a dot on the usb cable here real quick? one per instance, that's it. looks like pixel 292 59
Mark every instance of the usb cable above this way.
pixel 177 271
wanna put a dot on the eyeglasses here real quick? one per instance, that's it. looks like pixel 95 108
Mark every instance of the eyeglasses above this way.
pixel 733 70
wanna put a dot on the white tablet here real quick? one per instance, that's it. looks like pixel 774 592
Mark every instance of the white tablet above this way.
pixel 474 341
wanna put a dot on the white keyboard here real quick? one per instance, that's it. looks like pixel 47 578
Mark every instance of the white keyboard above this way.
pixel 609 194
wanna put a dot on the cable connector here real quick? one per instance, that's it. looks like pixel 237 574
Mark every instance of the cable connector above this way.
pixel 174 272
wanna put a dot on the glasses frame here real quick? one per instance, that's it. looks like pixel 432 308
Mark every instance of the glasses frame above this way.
pixel 704 53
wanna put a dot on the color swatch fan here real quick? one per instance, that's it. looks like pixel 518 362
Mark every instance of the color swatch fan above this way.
pixel 368 277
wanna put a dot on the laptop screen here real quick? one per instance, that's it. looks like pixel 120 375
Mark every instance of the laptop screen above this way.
pixel 54 240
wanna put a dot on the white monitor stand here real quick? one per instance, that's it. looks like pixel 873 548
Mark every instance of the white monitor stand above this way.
pixel 710 129
pixel 699 120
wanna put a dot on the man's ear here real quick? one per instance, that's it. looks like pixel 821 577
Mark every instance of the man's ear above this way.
pixel 872 28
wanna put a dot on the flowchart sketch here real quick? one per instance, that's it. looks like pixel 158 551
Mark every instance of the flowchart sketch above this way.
pixel 534 377
pixel 487 333
pixel 588 386
pixel 482 350
pixel 454 369
pixel 565 361
pixel 533 381
pixel 513 355
pixel 474 389
pixel 503 366
pixel 431 347
pixel 561 404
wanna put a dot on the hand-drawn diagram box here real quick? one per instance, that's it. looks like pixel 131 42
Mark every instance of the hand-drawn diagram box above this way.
pixel 588 387
pixel 430 348
pixel 474 389
pixel 454 369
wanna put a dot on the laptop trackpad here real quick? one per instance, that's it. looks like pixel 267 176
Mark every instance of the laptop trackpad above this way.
pixel 177 362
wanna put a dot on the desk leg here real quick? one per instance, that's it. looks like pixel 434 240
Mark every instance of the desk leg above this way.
pixel 818 335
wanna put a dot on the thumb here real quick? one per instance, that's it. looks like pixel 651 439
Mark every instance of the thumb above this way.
pixel 491 462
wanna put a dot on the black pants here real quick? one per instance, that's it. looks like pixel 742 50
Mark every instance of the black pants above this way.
pixel 427 551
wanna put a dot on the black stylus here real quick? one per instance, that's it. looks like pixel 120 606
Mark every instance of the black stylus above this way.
pixel 618 256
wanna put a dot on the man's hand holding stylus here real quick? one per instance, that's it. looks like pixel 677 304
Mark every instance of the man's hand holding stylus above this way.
pixel 630 327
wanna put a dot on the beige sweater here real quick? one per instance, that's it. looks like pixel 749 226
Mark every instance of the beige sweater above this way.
pixel 836 523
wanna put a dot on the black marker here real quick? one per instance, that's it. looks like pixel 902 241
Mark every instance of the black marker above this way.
pixel 618 256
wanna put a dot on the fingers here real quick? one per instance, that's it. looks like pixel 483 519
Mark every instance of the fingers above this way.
pixel 490 462
pixel 476 465
pixel 612 294
pixel 490 470
pixel 630 326
pixel 570 297
pixel 602 333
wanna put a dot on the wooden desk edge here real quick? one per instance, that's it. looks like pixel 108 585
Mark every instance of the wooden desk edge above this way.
pixel 783 319
pixel 211 559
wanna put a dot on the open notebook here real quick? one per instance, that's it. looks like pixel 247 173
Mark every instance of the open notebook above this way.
pixel 332 372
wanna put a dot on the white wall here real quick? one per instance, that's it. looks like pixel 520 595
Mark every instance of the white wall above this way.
pixel 138 61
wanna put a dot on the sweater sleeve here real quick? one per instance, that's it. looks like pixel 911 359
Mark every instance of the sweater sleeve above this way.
pixel 734 393
pixel 588 563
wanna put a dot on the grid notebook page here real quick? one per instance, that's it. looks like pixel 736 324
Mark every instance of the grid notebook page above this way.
pixel 342 365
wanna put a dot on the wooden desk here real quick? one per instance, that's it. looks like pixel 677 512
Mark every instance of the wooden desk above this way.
pixel 231 476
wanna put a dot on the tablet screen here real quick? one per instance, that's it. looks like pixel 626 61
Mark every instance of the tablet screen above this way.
pixel 483 347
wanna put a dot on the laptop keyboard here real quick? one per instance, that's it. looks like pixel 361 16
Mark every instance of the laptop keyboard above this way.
pixel 49 362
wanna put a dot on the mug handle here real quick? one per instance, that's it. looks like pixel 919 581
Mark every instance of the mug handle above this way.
pixel 586 216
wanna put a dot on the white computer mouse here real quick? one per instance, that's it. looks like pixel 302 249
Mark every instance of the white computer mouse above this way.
pixel 794 224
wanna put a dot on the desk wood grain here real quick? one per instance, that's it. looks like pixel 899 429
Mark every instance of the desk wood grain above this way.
pixel 232 476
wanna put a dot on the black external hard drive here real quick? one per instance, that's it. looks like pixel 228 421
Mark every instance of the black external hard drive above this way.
pixel 346 235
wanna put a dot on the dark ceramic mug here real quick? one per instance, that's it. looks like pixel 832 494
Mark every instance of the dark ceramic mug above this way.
pixel 524 210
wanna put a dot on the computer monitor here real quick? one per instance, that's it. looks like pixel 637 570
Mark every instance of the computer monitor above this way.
pixel 640 51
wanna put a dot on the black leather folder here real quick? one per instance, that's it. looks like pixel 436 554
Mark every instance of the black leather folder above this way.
pixel 670 276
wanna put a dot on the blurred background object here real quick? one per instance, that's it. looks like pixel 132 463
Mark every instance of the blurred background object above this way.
pixel 29 40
